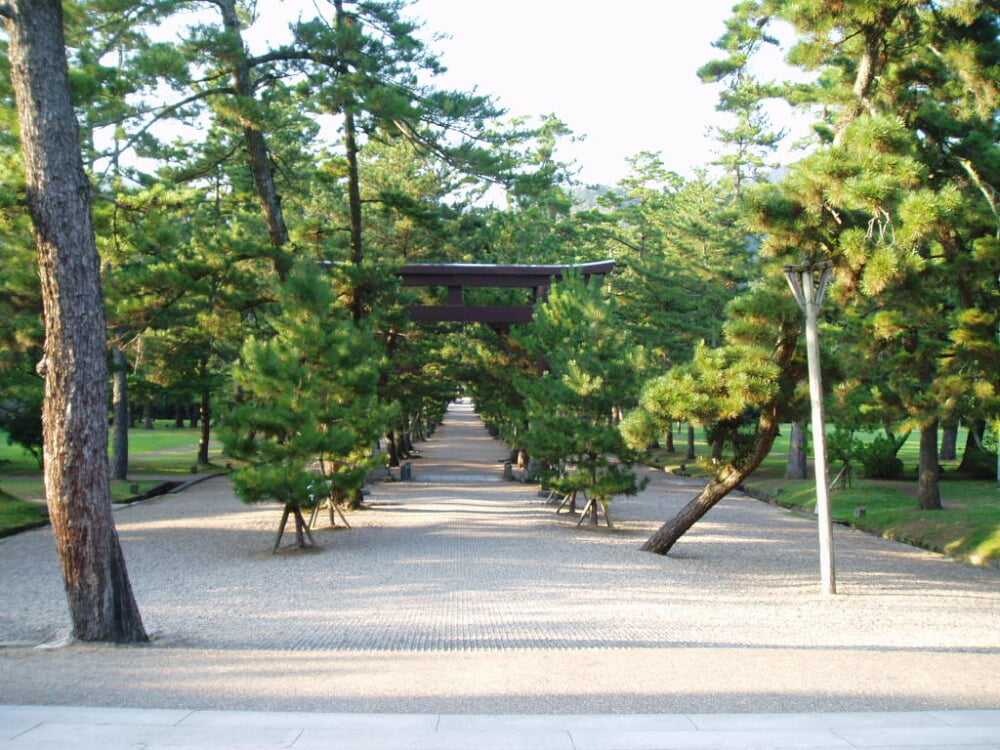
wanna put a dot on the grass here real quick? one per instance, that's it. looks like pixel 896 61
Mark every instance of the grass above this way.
pixel 32 489
pixel 968 528
pixel 163 451
pixel 16 513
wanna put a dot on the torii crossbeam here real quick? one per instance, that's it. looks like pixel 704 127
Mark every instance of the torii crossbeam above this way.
pixel 457 276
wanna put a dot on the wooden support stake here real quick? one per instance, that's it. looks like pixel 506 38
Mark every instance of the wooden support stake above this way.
pixel 300 527
pixel 334 509
pixel 281 529
pixel 570 500
pixel 592 508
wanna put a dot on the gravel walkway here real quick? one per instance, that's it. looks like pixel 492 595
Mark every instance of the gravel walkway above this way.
pixel 459 592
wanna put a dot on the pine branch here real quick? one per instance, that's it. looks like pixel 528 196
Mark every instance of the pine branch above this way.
pixel 159 114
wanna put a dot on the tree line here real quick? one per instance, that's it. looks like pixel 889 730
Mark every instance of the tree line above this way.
pixel 223 226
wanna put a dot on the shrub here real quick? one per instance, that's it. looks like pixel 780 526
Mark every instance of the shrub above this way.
pixel 878 458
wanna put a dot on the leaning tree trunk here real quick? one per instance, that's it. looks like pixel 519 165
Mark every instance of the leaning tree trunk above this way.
pixel 767 429
pixel 928 487
pixel 74 416
pixel 667 535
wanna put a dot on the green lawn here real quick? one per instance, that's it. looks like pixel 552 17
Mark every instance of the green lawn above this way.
pixel 32 489
pixel 968 528
pixel 165 450
pixel 16 513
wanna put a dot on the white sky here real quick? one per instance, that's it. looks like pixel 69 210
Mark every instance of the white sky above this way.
pixel 622 73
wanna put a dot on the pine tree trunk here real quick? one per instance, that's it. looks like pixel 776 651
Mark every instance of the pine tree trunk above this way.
pixel 257 151
pixel 718 446
pixel 973 446
pixel 300 525
pixel 120 408
pixel 949 441
pixel 929 488
pixel 205 414
pixel 391 448
pixel 667 535
pixel 357 301
pixel 797 467
pixel 690 443
pixel 101 603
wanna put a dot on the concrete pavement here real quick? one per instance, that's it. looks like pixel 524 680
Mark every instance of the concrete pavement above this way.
pixel 148 729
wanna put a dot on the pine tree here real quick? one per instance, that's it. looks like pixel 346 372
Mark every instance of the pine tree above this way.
pixel 749 141
pixel 743 386
pixel 683 252
pixel 306 417
pixel 99 593
pixel 900 195
pixel 571 408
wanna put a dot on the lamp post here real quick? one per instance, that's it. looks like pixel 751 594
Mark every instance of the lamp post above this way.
pixel 809 282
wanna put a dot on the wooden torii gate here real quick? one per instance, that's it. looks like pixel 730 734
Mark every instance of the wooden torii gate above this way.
pixel 456 277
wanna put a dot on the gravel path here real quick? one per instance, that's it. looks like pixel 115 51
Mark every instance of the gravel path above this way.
pixel 459 592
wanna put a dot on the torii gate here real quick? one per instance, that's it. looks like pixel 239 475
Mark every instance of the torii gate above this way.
pixel 457 276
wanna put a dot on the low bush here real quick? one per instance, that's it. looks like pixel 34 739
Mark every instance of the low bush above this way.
pixel 878 458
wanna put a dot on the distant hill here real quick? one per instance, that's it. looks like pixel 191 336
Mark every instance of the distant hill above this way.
pixel 585 196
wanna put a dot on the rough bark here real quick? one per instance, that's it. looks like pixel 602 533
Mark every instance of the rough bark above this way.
pixel 870 64
pixel 357 297
pixel 391 448
pixel 357 300
pixel 797 466
pixel 928 487
pixel 101 603
pixel 973 445
pixel 668 439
